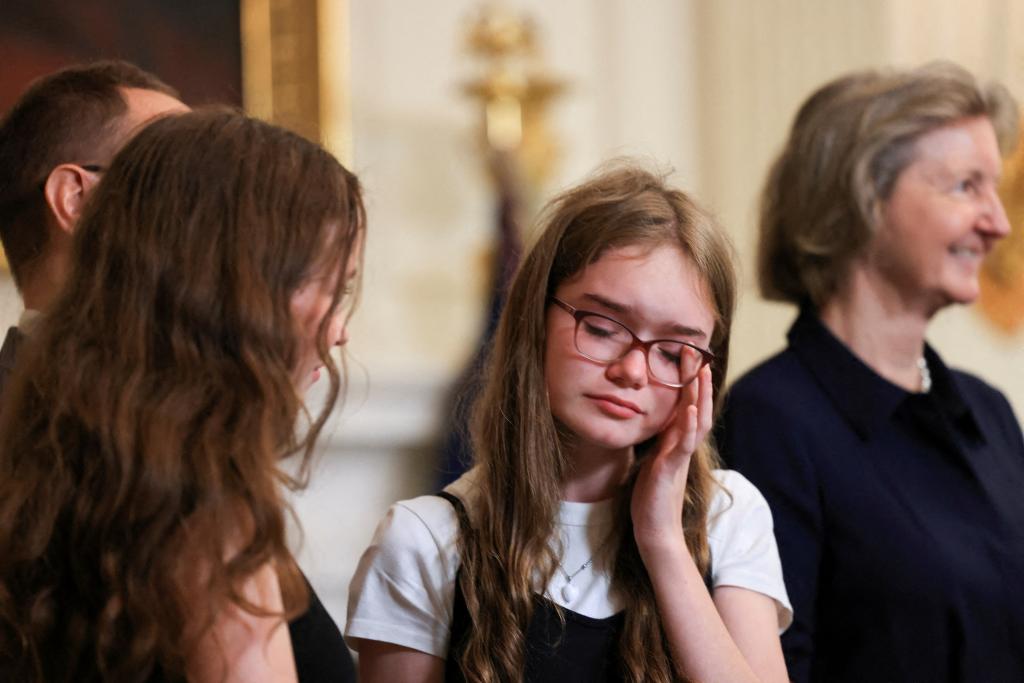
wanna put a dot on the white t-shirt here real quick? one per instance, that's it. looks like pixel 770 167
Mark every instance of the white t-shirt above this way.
pixel 404 587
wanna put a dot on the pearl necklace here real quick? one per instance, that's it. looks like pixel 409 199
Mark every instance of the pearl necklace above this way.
pixel 926 375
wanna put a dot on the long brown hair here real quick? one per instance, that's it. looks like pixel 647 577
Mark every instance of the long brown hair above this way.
pixel 142 434
pixel 517 444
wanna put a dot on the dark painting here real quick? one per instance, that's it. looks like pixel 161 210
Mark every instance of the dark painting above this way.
pixel 193 45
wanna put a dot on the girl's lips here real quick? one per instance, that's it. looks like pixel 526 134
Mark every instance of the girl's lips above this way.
pixel 615 406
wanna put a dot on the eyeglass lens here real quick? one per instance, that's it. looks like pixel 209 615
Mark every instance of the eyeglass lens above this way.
pixel 606 340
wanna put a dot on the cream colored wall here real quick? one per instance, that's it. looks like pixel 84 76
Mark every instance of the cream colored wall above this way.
pixel 430 211
pixel 708 88
pixel 632 69
pixel 762 59
pixel 10 303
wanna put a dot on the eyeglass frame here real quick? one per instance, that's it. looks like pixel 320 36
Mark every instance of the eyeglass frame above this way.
pixel 637 343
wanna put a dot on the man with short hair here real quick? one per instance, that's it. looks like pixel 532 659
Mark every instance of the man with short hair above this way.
pixel 55 143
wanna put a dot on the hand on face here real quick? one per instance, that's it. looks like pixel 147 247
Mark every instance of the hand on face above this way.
pixel 657 503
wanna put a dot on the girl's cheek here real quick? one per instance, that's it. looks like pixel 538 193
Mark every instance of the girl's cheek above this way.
pixel 667 406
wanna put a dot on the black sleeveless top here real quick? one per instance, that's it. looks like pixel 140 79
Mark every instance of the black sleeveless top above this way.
pixel 321 655
pixel 585 650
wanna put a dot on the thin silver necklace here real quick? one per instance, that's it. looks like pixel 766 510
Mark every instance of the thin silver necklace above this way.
pixel 926 375
pixel 569 591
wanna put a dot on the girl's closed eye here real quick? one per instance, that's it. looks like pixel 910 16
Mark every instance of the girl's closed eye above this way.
pixel 670 356
pixel 598 327
pixel 595 330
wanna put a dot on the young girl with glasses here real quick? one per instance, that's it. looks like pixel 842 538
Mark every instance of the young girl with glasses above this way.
pixel 593 540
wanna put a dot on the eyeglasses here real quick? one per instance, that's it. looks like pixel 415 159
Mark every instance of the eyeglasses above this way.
pixel 599 338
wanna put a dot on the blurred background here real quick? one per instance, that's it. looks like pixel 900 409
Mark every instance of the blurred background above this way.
pixel 461 116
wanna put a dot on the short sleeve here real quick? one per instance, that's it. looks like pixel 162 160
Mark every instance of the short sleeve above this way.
pixel 742 541
pixel 403 588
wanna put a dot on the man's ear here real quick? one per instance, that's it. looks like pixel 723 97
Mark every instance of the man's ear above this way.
pixel 65 190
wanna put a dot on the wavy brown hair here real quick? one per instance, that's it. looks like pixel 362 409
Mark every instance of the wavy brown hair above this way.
pixel 142 435
pixel 519 448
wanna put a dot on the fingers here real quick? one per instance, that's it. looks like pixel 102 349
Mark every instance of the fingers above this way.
pixel 699 394
pixel 691 392
pixel 694 415
pixel 706 400
pixel 691 431
pixel 692 419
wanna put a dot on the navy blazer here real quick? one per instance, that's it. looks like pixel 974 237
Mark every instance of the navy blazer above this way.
pixel 899 516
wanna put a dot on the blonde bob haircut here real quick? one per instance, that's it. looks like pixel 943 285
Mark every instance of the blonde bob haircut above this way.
pixel 849 143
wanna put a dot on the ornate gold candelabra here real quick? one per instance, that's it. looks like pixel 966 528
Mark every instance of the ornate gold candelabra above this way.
pixel 514 93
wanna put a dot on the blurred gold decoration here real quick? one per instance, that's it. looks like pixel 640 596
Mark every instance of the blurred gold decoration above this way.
pixel 1002 277
pixel 295 67
pixel 514 92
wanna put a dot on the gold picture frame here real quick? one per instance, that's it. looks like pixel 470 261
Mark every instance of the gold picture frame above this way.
pixel 1002 278
pixel 295 68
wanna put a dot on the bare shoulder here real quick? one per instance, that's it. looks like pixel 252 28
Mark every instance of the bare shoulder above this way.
pixel 248 643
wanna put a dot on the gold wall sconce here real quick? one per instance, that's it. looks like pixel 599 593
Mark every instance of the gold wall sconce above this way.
pixel 514 92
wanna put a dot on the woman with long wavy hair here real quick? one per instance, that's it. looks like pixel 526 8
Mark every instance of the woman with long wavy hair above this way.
pixel 593 539
pixel 142 517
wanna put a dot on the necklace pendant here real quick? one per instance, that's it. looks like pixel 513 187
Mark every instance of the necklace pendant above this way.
pixel 926 375
pixel 569 593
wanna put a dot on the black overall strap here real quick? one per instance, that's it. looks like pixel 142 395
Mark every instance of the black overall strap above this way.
pixel 707 575
pixel 460 509
pixel 461 622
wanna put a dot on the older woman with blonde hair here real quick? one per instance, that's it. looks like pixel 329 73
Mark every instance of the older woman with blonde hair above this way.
pixel 894 481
